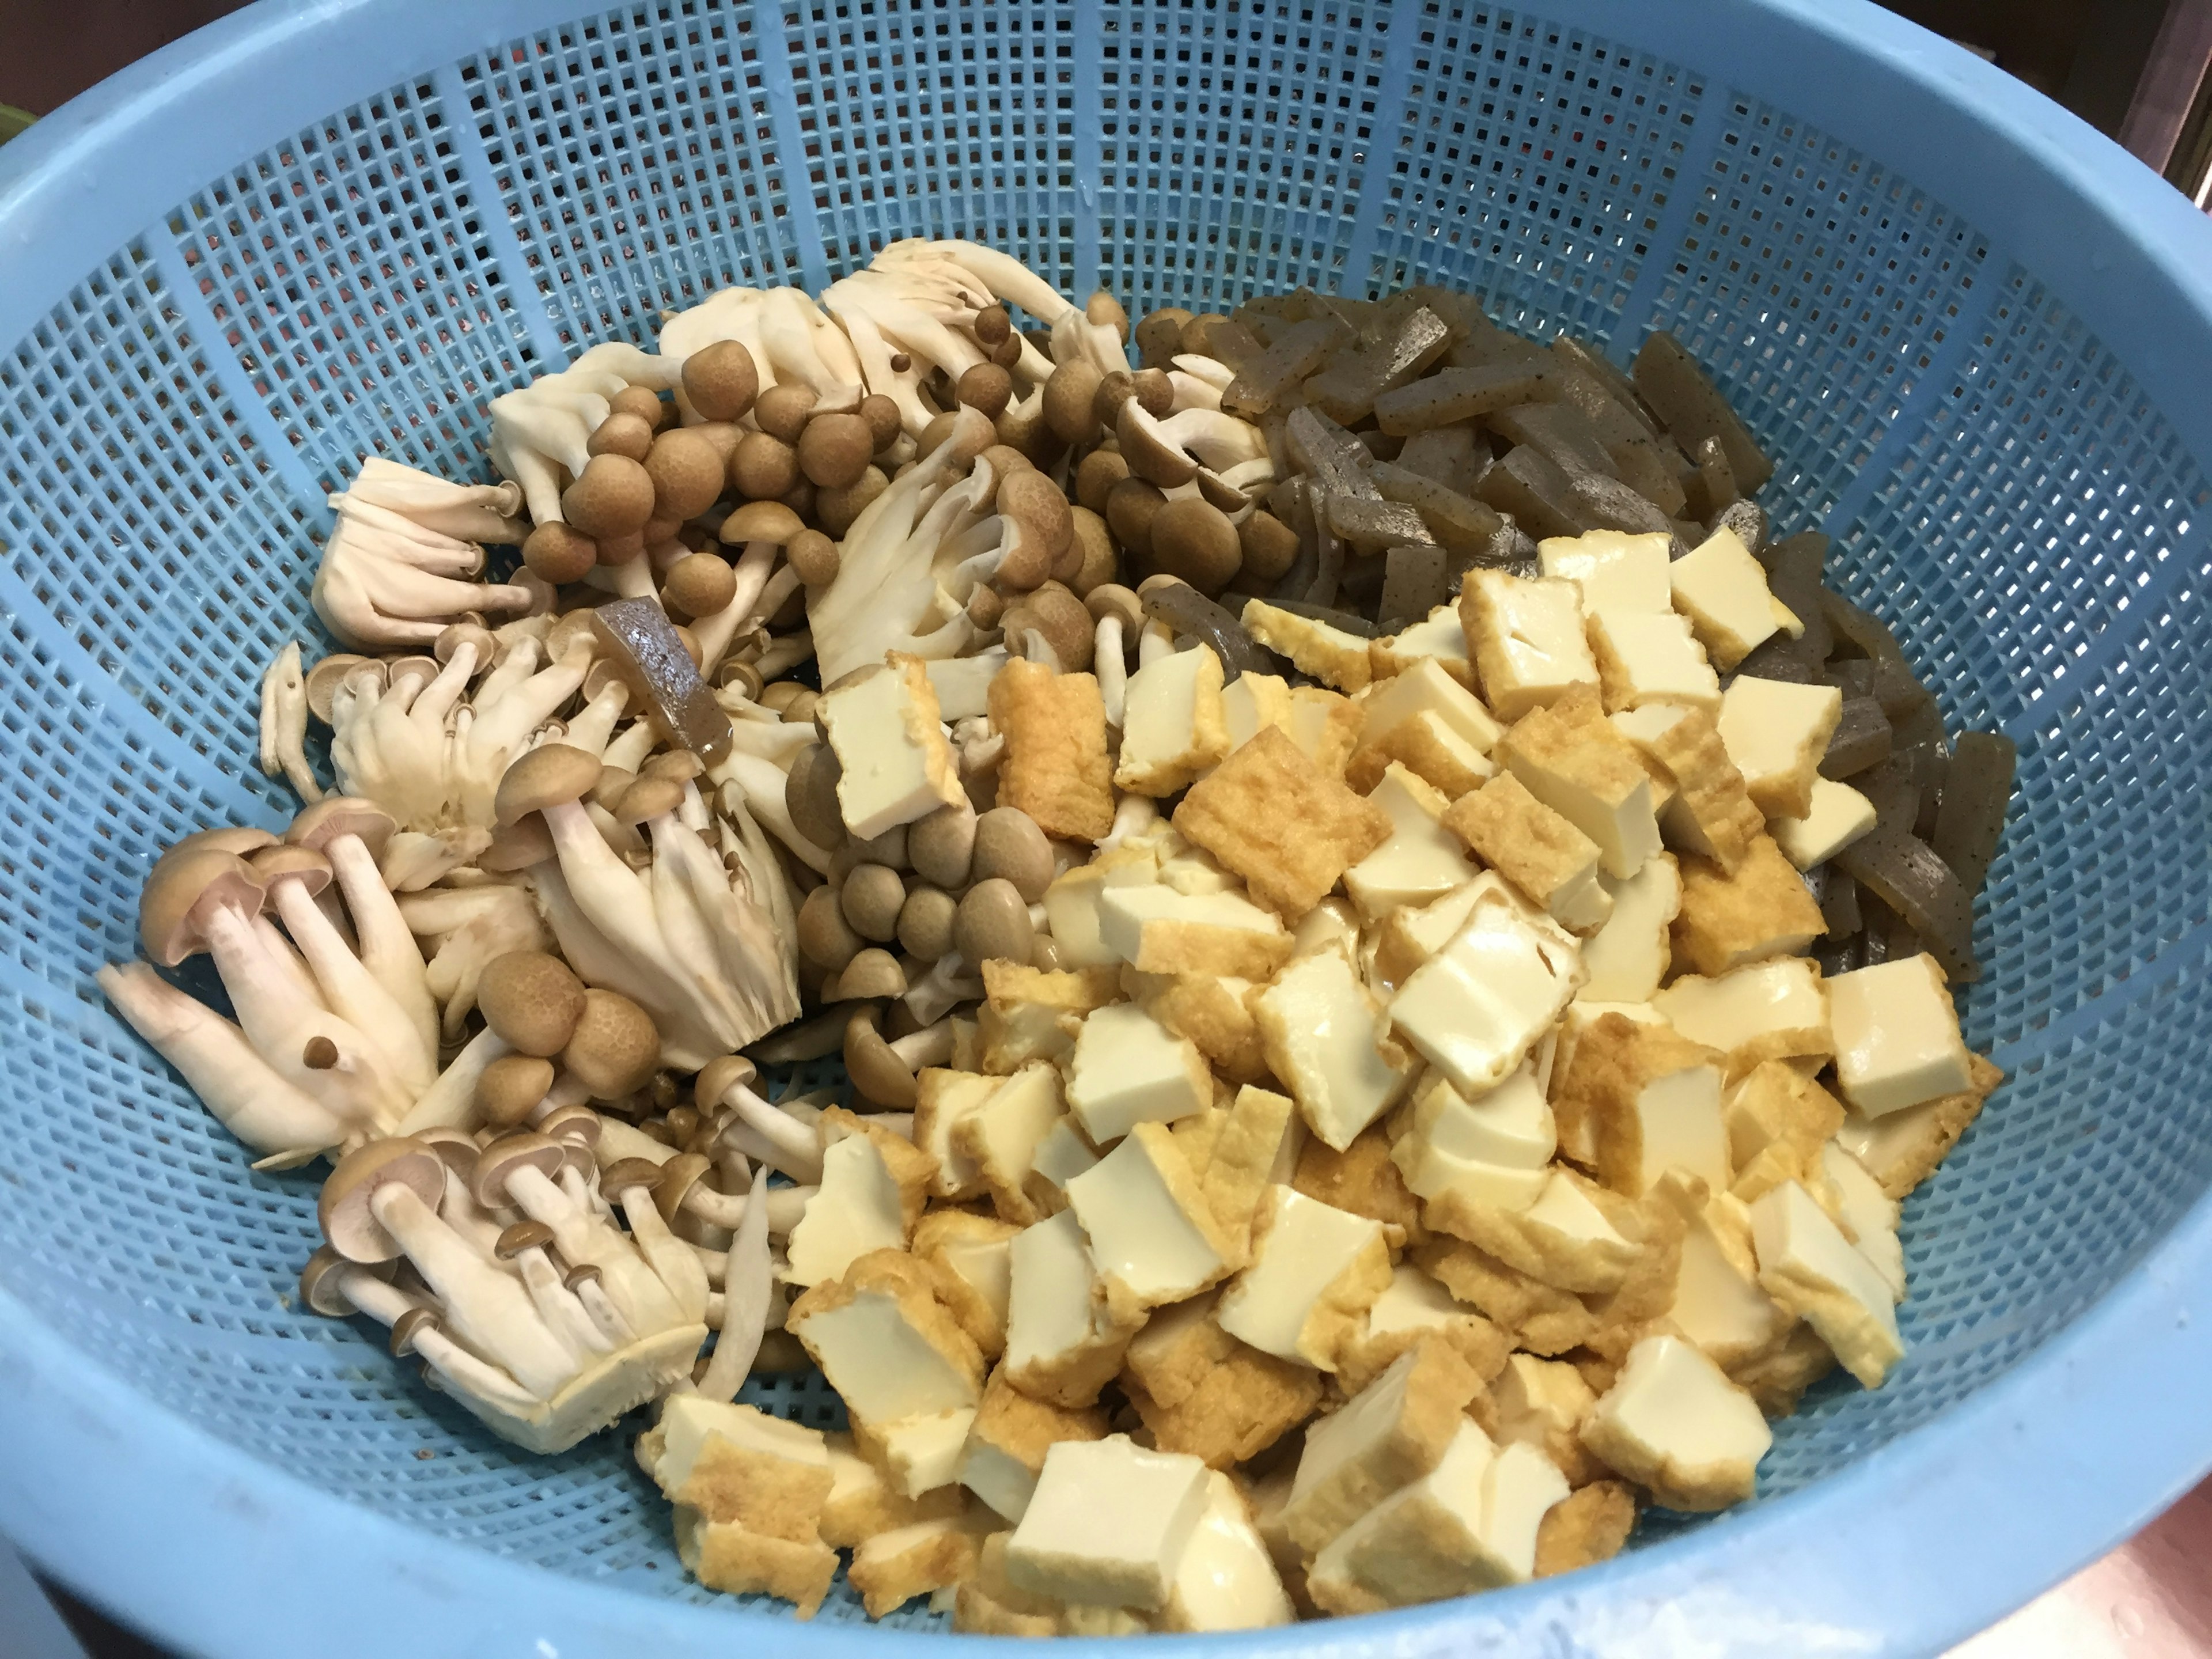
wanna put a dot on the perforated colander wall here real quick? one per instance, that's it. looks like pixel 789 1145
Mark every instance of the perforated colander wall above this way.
pixel 1999 486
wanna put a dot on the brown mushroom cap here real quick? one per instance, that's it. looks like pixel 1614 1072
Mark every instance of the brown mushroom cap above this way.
pixel 941 844
pixel 523 1235
pixel 577 1125
pixel 181 889
pixel 679 764
pixel 716 1077
pixel 687 473
pixel 499 1161
pixel 1131 506
pixel 871 974
pixel 643 402
pixel 985 608
pixel 722 381
pixel 874 1066
pixel 604 673
pixel 1096 560
pixel 1269 546
pixel 321 1283
pixel 648 798
pixel 531 1000
pixel 1009 844
pixel 1005 460
pixel 870 898
pixel 992 326
pixel 343 1207
pixel 826 939
pixel 342 815
pixel 1194 540
pixel 627 1175
pixel 324 678
pixel 986 388
pixel 814 556
pixel 1096 475
pixel 673 1182
pixel 517 845
pixel 1104 309
pixel 882 415
pixel 1150 455
pixel 1159 336
pixel 810 795
pixel 763 467
pixel 835 450
pixel 924 923
pixel 782 410
pixel 508 1087
pixel 624 433
pixel 615 1048
pixel 457 1146
pixel 1154 392
pixel 1115 387
pixel 564 633
pixel 1112 599
pixel 838 509
pixel 614 781
pixel 1035 501
pixel 240 838
pixel 551 775
pixel 993 921
pixel 611 498
pixel 761 521
pixel 281 863
pixel 1057 614
pixel 452 638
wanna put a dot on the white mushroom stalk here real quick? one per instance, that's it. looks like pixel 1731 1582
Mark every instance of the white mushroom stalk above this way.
pixel 542 430
pixel 748 1296
pixel 789 338
pixel 468 513
pixel 464 928
pixel 385 581
pixel 284 724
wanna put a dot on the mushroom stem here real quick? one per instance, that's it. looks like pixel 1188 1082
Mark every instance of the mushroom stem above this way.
pixel 1106 662
pixel 564 1314
pixel 684 1043
pixel 785 653
pixel 779 588
pixel 1133 816
pixel 801 1148
pixel 1155 642
pixel 467 1373
pixel 450 1101
pixel 387 948
pixel 931 1045
pixel 284 724
pixel 637 1292
pixel 668 1255
pixel 748 1288
pixel 760 785
pixel 283 1027
pixel 354 993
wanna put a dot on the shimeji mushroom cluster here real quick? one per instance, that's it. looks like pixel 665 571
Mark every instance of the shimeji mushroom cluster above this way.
pixel 1309 851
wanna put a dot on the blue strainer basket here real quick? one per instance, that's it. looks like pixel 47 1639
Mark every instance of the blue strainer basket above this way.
pixel 1976 335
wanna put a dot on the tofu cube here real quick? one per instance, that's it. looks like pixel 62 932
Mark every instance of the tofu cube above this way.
pixel 1055 767
pixel 966 1256
pixel 1775 733
pixel 1536 1316
pixel 723 1556
pixel 738 1465
pixel 1510 1125
pixel 1322 1032
pixel 1470 1524
pixel 1903 1149
pixel 1393 1431
pixel 1654 1102
pixel 873 1185
pixel 1257 1140
pixel 1172 724
pixel 862 1503
pixel 1289 828
pixel 1329 655
pixel 1869 1215
pixel 1325 726
pixel 1200 1390
pixel 1541 1403
pixel 892 1568
pixel 1708 811
pixel 1425 746
pixel 1896 1036
pixel 1031 1013
pixel 1252 703
pixel 1065 1334
pixel 1628 958
pixel 1574 1075
pixel 1009 1438
pixel 1571 759
pixel 1129 1069
pixel 1213 1013
pixel 1415 1307
pixel 1646 657
pixel 1527 639
pixel 1718 1303
pixel 1000 1138
pixel 1806 1264
pixel 896 762
pixel 1728 920
pixel 1590 1526
pixel 1438 638
pixel 1778 1118
pixel 1156 930
pixel 943 1098
pixel 1070 903
pixel 917 1455
pixel 1226 1580
pixel 1420 862
pixel 1836 815
pixel 1772 1010
pixel 1409 937
pixel 1107 1523
pixel 1614 570
pixel 1148 1220
pixel 1315 1270
pixel 1476 1008
pixel 1553 863
pixel 1673 1423
pixel 1428 688
pixel 1562 1238
pixel 885 1343
pixel 1722 590
pixel 1063 1154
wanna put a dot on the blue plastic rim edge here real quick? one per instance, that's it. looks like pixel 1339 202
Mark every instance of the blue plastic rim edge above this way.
pixel 92 1478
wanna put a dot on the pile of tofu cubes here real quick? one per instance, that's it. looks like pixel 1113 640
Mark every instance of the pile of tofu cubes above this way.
pixel 1434 1143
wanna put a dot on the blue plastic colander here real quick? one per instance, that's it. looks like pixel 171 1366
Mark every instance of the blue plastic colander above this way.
pixel 1976 335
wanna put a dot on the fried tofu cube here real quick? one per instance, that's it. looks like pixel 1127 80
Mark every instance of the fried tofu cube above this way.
pixel 1470 1524
pixel 1287 828
pixel 1654 1101
pixel 1613 571
pixel 1806 1264
pixel 862 1503
pixel 1903 1149
pixel 1315 1270
pixel 1251 703
pixel 896 762
pixel 1708 811
pixel 1420 862
pixel 966 1257
pixel 1172 724
pixel 1066 1332
pixel 1477 1007
pixel 1778 1118
pixel 1718 1302
pixel 1527 639
pixel 1410 935
pixel 1070 903
pixel 1428 688
pixel 990 1603
pixel 1541 1403
pixel 1329 655
pixel 1652 657
pixel 1000 1138
pixel 1494 1149
pixel 1540 1317
pixel 1896 1036
pixel 873 1185
pixel 1722 590
pixel 1428 748
pixel 1775 733
pixel 1589 1525
pixel 738 1465
pixel 1628 958
pixel 1438 638
pixel 1778 1378
pixel 1772 1010
pixel 1107 1523
pixel 1869 1216
pixel 1009 1438
pixel 1322 1031
pixel 1550 861
pixel 1212 1012
pixel 1156 930
pixel 1676 1425
pixel 1325 726
pixel 1200 1390
pixel 942 1098
pixel 1360 1178
pixel 1055 768
pixel 1149 1223
pixel 885 1343
pixel 1565 1238
pixel 1416 1307
pixel 1394 1430
pixel 1226 1579
pixel 1129 1069
pixel 1569 757
pixel 723 1556
pixel 1760 910
pixel 892 1568
pixel 1572 1083
pixel 1247 1152
pixel 1030 1013
pixel 1836 816
pixel 1061 1156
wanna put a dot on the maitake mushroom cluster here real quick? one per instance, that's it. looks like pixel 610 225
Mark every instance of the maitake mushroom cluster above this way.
pixel 1339 1108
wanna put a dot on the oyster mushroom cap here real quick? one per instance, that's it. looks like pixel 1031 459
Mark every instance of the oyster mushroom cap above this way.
pixel 342 815
pixel 551 775
pixel 178 891
pixel 343 1207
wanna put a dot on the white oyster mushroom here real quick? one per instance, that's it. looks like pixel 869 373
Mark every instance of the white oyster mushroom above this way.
pixel 541 430
pixel 384 580
pixel 468 513
pixel 284 724
pixel 789 338
pixel 466 928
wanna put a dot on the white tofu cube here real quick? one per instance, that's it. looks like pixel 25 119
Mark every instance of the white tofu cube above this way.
pixel 1427 688
pixel 1172 723
pixel 1871 1214
pixel 1614 569
pixel 1776 732
pixel 1475 1008
pixel 1839 816
pixel 1722 590
pixel 1156 930
pixel 1070 903
pixel 1301 1249
pixel 1107 1523
pixel 1673 1423
pixel 1063 1154
pixel 1718 1303
pixel 1148 1220
pixel 1571 759
pixel 1807 1265
pixel 1439 637
pixel 693 1429
pixel 1129 1069
pixel 1527 639
pixel 944 1100
pixel 1771 1009
pixel 1227 1580
pixel 1252 703
pixel 858 1209
pixel 1511 1125
pixel 1408 938
pixel 1896 1036
pixel 1649 657
pixel 921 1453
pixel 887 1350
pixel 1320 1028
pixel 896 763
pixel 1627 959
pixel 1051 1318
pixel 1420 862
pixel 1001 1136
